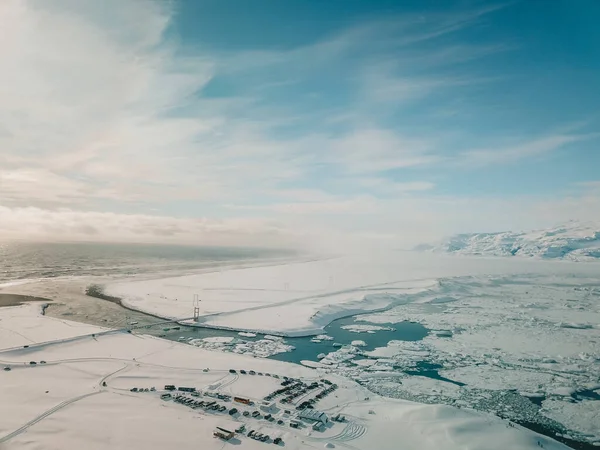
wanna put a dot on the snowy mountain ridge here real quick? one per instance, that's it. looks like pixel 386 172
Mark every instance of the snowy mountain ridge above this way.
pixel 573 241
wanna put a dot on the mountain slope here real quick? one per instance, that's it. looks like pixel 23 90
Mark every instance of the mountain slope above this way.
pixel 573 241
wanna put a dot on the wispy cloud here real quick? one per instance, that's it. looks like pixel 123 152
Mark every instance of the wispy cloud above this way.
pixel 521 150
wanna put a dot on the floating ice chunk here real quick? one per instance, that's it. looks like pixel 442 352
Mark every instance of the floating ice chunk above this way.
pixel 360 328
pixel 323 337
pixel 246 334
pixel 364 362
pixel 273 338
pixel 345 353
pixel 262 348
pixel 358 343
pixel 219 339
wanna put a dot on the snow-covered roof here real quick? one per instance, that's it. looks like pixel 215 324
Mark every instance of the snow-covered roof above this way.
pixel 313 414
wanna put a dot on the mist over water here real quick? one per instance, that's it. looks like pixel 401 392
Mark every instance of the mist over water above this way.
pixel 24 260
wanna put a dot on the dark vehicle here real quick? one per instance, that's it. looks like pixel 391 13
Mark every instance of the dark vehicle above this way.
pixel 246 413
pixel 133 389
pixel 251 433
pixel 252 372
pixel 275 375
pixel 32 363
pixel 259 374
pixel 280 422
pixel 169 387
pixel 293 425
pixel 233 411
pixel 243 372
pixel 277 441
pixel 232 371
pixel 7 369
pixel 42 362
pixel 267 374
pixel 255 414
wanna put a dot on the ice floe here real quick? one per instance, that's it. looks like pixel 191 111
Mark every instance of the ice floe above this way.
pixel 262 348
pixel 360 328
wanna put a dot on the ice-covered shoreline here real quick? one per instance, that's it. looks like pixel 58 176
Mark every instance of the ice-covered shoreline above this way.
pixel 301 298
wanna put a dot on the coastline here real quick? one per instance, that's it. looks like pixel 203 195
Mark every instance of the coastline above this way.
pixel 7 299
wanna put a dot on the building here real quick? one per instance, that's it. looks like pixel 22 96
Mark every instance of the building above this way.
pixel 222 433
pixel 267 407
pixel 312 415
pixel 318 426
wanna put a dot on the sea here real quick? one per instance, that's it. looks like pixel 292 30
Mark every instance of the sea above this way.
pixel 26 260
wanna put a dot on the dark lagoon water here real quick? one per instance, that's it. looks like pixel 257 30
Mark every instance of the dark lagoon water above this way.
pixel 308 350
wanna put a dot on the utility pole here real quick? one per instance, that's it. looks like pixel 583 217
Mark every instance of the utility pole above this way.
pixel 196 307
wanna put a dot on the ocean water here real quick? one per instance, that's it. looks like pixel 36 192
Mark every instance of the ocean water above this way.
pixel 26 260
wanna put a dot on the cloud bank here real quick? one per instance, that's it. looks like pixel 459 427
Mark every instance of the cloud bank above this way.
pixel 110 130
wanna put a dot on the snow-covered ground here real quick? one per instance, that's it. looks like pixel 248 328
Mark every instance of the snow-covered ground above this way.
pixel 80 397
pixel 573 241
pixel 297 299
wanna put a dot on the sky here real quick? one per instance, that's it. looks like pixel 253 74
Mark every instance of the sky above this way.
pixel 297 123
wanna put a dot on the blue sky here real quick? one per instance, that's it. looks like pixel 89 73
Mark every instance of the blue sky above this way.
pixel 297 122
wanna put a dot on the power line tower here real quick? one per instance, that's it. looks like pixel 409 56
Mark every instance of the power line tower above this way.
pixel 196 306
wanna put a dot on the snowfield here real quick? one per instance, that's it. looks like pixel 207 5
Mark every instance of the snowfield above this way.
pixel 300 299
pixel 81 396
pixel 573 241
